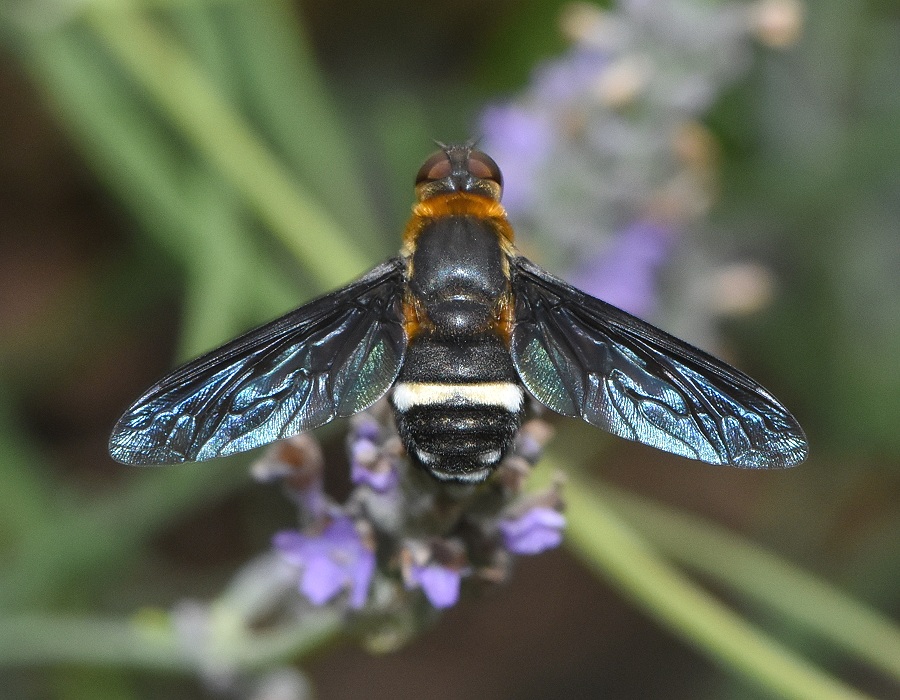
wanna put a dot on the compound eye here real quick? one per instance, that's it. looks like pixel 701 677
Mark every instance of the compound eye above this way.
pixel 482 166
pixel 437 167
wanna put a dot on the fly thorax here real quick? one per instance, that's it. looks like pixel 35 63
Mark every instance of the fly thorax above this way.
pixel 458 273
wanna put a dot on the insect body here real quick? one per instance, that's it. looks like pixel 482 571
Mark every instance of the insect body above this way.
pixel 460 326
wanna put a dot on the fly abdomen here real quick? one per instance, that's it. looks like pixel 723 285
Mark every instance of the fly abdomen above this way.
pixel 458 405
pixel 458 443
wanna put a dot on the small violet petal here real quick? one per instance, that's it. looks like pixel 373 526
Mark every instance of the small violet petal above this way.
pixel 363 451
pixel 528 448
pixel 322 580
pixel 290 544
pixel 439 584
pixel 341 532
pixel 313 501
pixel 537 530
pixel 331 562
pixel 361 578
pixel 363 457
pixel 366 428
pixel 380 481
pixel 568 79
pixel 625 274
pixel 519 140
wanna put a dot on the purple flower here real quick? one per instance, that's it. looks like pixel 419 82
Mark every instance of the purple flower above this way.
pixel 570 78
pixel 313 501
pixel 440 584
pixel 537 530
pixel 625 274
pixel 331 561
pixel 381 481
pixel 531 440
pixel 365 427
pixel 369 467
pixel 519 140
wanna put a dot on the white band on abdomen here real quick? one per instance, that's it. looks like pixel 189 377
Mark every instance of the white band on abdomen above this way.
pixel 504 394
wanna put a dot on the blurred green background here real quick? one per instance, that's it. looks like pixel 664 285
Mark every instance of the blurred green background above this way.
pixel 173 171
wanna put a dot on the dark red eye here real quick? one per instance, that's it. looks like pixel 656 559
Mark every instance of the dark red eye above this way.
pixel 482 166
pixel 436 167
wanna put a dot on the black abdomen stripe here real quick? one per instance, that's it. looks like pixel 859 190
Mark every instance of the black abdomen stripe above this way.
pixel 459 443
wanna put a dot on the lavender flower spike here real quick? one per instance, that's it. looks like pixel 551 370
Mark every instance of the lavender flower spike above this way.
pixel 332 561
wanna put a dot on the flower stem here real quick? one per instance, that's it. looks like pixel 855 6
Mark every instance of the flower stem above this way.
pixel 154 644
pixel 611 548
pixel 89 538
pixel 762 577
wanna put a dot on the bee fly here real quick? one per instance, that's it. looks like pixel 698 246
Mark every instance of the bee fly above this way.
pixel 460 325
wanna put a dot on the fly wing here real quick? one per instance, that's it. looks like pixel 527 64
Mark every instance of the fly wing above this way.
pixel 332 357
pixel 582 357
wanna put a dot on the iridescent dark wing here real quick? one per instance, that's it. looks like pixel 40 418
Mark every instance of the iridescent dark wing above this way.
pixel 332 357
pixel 582 357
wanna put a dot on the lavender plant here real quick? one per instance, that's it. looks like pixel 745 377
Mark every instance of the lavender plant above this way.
pixel 383 563
pixel 610 167
pixel 401 532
